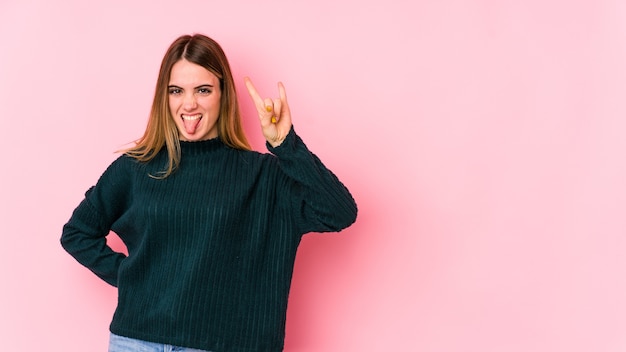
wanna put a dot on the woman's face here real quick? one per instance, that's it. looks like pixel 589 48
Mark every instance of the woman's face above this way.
pixel 194 99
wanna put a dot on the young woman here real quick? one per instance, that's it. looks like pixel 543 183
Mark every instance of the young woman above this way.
pixel 211 227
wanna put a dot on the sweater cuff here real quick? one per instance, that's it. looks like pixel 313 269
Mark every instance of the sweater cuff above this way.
pixel 286 145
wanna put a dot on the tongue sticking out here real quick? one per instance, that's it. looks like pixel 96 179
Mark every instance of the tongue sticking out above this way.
pixel 191 124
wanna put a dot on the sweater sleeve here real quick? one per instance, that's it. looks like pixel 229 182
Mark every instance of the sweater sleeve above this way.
pixel 84 235
pixel 321 202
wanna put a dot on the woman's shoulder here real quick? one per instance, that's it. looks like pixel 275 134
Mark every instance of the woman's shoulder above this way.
pixel 254 156
pixel 125 165
pixel 120 166
pixel 126 161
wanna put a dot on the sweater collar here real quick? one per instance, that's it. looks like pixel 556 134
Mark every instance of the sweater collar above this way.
pixel 201 147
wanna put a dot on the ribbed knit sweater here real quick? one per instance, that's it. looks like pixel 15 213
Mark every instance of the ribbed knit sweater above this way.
pixel 211 248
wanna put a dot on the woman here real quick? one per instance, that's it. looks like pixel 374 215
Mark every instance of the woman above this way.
pixel 211 227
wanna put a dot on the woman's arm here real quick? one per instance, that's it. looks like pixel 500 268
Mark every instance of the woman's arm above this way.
pixel 322 202
pixel 84 235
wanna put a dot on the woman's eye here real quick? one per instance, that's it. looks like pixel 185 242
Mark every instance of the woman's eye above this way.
pixel 175 91
pixel 204 91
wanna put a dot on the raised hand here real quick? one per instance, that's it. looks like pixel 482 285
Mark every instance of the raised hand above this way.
pixel 274 114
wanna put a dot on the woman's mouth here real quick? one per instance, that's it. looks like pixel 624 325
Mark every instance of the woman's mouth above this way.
pixel 191 122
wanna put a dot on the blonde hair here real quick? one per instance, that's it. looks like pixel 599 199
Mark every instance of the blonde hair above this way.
pixel 161 130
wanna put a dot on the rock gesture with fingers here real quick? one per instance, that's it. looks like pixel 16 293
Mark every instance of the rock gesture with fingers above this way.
pixel 274 113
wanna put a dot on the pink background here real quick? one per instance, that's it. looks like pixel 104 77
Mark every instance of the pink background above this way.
pixel 483 140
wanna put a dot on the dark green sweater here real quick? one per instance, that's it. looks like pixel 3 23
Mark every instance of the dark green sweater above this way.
pixel 211 247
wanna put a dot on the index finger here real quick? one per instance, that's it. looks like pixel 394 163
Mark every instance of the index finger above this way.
pixel 253 92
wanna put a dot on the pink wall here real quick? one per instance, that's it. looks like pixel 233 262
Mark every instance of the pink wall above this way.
pixel 483 141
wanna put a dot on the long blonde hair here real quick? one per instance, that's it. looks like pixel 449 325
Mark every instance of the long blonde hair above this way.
pixel 161 130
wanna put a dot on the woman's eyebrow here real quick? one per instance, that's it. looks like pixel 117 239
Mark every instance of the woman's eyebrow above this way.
pixel 200 86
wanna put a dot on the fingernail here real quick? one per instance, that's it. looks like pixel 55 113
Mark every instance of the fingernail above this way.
pixel 274 119
pixel 268 108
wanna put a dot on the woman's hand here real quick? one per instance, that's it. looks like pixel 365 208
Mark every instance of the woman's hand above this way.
pixel 273 113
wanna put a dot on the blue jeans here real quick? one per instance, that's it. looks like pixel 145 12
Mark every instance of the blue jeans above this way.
pixel 126 344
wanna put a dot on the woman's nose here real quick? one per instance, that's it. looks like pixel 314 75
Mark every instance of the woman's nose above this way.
pixel 190 102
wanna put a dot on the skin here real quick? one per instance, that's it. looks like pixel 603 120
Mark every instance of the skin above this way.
pixel 194 91
pixel 268 108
